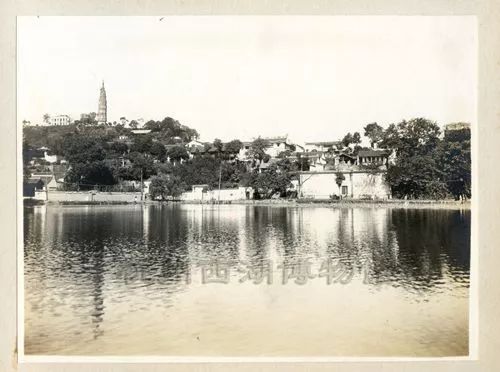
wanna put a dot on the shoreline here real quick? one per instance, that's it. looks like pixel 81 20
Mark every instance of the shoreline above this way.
pixel 296 203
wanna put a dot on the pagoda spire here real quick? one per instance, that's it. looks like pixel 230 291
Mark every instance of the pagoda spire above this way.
pixel 103 106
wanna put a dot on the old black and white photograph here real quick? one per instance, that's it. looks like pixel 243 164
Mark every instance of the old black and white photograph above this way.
pixel 246 186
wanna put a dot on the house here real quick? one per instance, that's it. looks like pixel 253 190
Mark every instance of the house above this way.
pixel 346 184
pixel 29 155
pixel 31 185
pixel 323 146
pixel 140 131
pixel 52 159
pixel 365 157
pixel 44 176
pixel 195 149
pixel 53 184
pixel 50 180
pixel 243 154
pixel 346 175
pixel 277 145
pixel 60 120
pixel 195 143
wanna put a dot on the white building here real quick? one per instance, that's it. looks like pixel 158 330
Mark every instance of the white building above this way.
pixel 321 146
pixel 276 146
pixel 60 120
pixel 202 194
pixel 353 184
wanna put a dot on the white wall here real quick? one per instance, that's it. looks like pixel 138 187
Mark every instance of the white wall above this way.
pixel 80 196
pixel 359 185
pixel 213 195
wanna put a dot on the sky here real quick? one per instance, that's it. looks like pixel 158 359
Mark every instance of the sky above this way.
pixel 314 78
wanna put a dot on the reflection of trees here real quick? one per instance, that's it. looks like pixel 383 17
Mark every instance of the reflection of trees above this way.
pixel 80 251
pixel 429 239
pixel 361 241
pixel 257 238
pixel 212 233
pixel 404 246
pixel 88 253
pixel 165 254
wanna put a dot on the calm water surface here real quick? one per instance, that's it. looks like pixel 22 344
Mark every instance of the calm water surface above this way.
pixel 240 280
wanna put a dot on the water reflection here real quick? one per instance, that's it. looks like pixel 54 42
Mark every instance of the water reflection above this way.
pixel 102 276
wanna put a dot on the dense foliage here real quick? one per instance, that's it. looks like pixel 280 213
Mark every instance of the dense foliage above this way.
pixel 427 166
pixel 428 163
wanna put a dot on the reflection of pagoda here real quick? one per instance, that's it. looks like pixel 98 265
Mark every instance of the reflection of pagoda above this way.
pixel 103 107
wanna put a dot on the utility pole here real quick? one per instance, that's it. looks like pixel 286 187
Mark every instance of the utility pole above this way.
pixel 220 178
pixel 142 188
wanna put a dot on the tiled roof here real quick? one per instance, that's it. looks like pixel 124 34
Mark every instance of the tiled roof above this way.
pixel 32 180
pixel 325 143
pixel 368 153
pixel 275 139
pixel 347 155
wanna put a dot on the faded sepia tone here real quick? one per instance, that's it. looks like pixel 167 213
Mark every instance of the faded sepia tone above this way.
pixel 402 279
pixel 180 367
pixel 145 235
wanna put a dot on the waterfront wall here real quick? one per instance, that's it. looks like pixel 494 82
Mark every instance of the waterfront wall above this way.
pixel 356 185
pixel 88 196
pixel 199 195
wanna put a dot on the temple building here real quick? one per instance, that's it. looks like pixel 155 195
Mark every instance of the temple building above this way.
pixel 103 107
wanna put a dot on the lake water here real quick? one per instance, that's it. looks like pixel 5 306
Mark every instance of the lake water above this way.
pixel 241 280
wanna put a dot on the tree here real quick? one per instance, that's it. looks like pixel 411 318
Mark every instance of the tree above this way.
pixel 351 139
pixel 234 146
pixel 456 162
pixel 142 143
pixel 86 156
pixel 233 174
pixel 303 163
pixel 417 172
pixel 270 182
pixel 339 178
pixel 391 138
pixel 133 124
pixel 285 154
pixel 258 149
pixel 55 143
pixel 163 186
pixel 169 128
pixel 118 148
pixel 46 118
pixel 199 170
pixel 177 153
pixel 218 145
pixel 285 163
pixel 374 132
pixel 347 140
pixel 86 175
pixel 158 151
pixel 356 138
pixel 142 167
pixel 82 149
